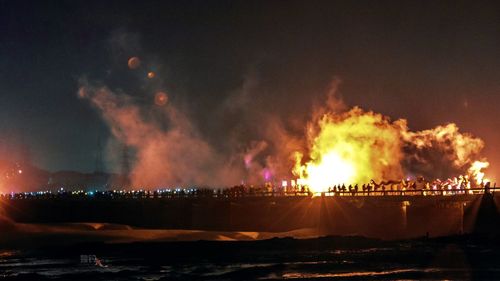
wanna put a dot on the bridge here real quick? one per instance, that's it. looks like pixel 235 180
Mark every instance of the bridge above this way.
pixel 242 191
pixel 387 214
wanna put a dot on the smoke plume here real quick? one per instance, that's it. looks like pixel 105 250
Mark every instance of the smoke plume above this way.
pixel 171 156
pixel 356 146
pixel 338 145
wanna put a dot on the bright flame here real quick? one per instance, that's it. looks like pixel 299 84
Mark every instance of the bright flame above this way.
pixel 476 171
pixel 332 170
pixel 356 147
pixel 349 148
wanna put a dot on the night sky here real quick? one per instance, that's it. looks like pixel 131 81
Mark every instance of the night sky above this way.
pixel 431 62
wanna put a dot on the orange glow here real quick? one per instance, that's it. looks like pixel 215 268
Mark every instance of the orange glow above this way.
pixel 134 62
pixel 476 171
pixel 332 170
pixel 161 98
pixel 353 147
pixel 151 75
pixel 357 146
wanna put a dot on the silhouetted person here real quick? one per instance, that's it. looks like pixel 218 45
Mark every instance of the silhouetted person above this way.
pixel 487 218
pixel 413 186
pixel 351 189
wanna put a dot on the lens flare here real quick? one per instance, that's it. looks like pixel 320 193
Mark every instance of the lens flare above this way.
pixel 134 62
pixel 161 98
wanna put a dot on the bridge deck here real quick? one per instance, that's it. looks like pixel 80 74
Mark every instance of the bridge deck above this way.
pixel 228 194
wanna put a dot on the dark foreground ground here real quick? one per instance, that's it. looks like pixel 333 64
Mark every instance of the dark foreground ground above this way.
pixel 61 251
pixel 55 253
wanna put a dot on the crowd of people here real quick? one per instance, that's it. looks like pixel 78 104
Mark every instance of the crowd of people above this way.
pixel 459 185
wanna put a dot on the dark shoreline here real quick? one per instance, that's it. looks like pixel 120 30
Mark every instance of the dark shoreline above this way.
pixel 459 257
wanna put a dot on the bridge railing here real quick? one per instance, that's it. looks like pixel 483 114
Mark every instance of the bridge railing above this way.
pixel 411 192
pixel 228 193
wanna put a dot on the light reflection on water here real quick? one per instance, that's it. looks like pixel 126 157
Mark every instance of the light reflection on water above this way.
pixel 360 251
pixel 337 264
pixel 59 268
pixel 296 275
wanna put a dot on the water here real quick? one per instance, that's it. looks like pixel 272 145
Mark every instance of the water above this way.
pixel 332 258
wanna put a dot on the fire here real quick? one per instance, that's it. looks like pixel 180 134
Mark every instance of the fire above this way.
pixel 332 170
pixel 476 171
pixel 349 148
pixel 357 147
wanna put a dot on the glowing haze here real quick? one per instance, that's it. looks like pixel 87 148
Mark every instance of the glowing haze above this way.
pixel 351 147
pixel 356 147
pixel 337 146
pixel 176 156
